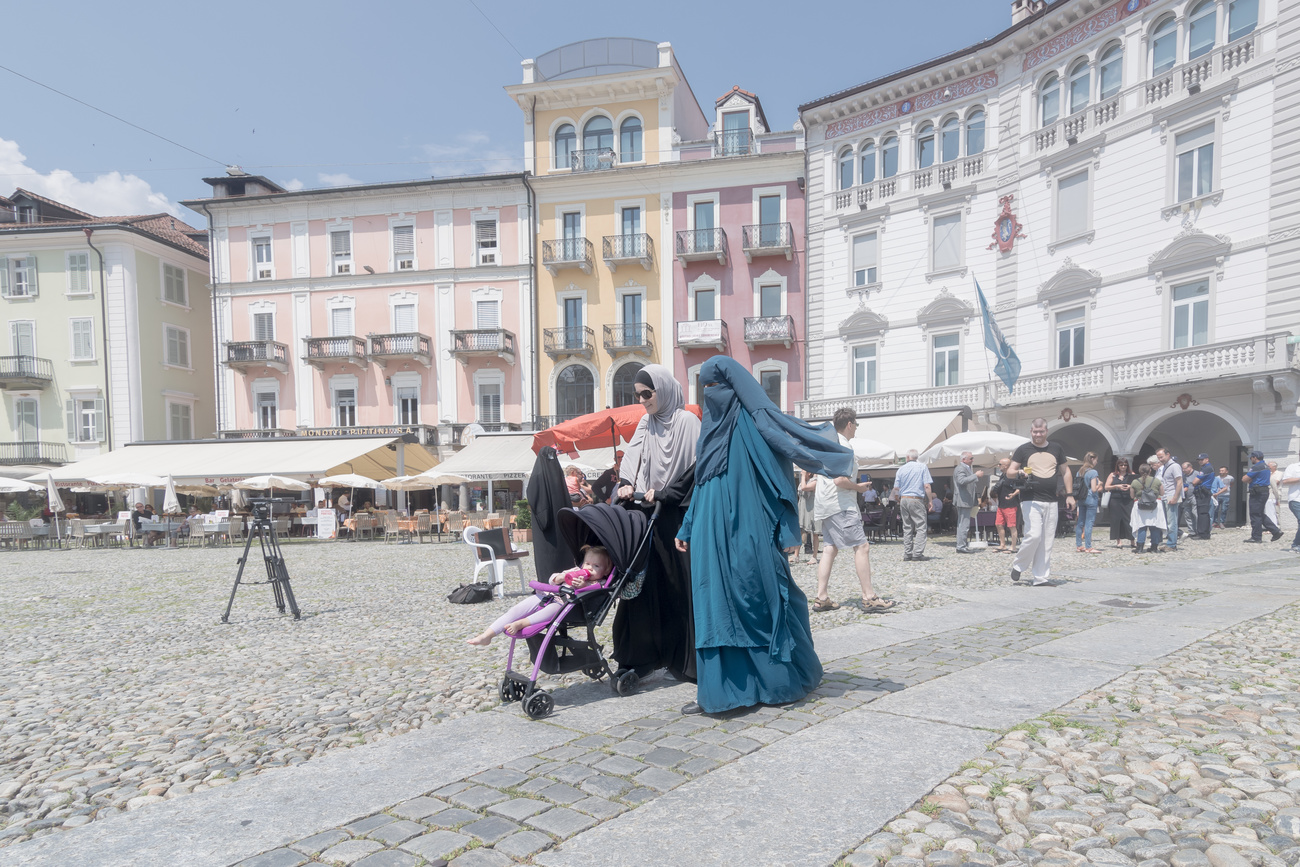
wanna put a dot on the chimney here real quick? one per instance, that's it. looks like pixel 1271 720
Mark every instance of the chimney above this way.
pixel 1022 9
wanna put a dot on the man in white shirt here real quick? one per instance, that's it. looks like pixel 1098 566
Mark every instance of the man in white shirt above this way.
pixel 1292 477
pixel 1171 477
pixel 835 508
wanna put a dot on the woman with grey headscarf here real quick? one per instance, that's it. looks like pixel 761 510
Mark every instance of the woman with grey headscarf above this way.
pixel 657 628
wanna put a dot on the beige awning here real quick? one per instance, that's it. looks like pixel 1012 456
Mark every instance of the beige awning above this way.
pixel 224 462
pixel 918 430
pixel 490 457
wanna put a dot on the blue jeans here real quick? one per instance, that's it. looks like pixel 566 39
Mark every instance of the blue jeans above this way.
pixel 1295 510
pixel 1171 518
pixel 1218 510
pixel 1083 525
pixel 1142 537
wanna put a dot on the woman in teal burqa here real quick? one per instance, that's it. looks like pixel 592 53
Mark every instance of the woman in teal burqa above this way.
pixel 752 637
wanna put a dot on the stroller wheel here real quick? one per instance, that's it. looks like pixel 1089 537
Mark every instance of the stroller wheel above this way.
pixel 625 683
pixel 539 704
pixel 511 690
pixel 595 672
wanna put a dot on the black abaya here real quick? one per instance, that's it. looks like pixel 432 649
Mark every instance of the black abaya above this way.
pixel 547 494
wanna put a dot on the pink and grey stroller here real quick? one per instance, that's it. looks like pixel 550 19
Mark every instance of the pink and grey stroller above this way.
pixel 626 535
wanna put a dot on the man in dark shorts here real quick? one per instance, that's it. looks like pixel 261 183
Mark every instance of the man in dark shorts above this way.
pixel 1007 492
pixel 1042 465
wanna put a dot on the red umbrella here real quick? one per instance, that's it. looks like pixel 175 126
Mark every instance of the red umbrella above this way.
pixel 595 430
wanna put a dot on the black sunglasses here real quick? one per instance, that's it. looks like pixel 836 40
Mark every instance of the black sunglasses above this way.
pixel 644 395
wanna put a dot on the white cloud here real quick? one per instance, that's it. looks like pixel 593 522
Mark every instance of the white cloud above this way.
pixel 107 195
pixel 471 153
pixel 294 185
pixel 342 179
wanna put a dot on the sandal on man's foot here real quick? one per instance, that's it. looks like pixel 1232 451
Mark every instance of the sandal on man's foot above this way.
pixel 875 603
pixel 825 605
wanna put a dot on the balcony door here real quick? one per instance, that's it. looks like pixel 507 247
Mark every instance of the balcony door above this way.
pixel 573 337
pixel 28 427
pixel 408 405
pixel 769 300
pixel 703 214
pixel 631 239
pixel 575 393
pixel 572 236
pixel 632 320
pixel 735 133
pixel 22 339
pixel 268 410
pixel 769 219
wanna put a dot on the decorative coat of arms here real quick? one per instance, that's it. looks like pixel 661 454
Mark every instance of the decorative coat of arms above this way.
pixel 1007 228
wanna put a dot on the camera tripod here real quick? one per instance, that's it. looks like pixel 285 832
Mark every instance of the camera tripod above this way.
pixel 277 575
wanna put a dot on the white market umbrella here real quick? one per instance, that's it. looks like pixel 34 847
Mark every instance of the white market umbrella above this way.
pixel 55 503
pixel 978 442
pixel 870 452
pixel 271 482
pixel 409 483
pixel 347 480
pixel 17 486
pixel 171 504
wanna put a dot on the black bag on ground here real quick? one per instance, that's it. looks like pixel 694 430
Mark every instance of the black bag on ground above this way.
pixel 471 594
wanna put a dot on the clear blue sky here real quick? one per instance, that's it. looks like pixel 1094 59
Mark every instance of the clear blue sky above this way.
pixel 321 92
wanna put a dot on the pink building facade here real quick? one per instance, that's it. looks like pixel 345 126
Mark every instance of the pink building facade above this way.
pixel 738 275
pixel 402 308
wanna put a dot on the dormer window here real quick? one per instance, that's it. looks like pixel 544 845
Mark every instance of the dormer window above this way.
pixel 26 213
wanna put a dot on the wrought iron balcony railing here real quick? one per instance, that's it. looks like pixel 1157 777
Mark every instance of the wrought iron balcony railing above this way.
pixel 638 337
pixel 735 143
pixel 702 333
pixel 570 340
pixel 621 249
pixel 769 329
pixel 245 354
pixel 324 350
pixel 767 239
pixel 12 454
pixel 567 253
pixel 473 342
pixel 410 344
pixel 25 371
pixel 593 160
pixel 698 244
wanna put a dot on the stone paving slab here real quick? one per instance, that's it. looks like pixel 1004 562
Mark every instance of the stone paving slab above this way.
pixel 796 802
pixel 1122 644
pixel 224 825
pixel 1223 609
pixel 843 641
pixel 592 706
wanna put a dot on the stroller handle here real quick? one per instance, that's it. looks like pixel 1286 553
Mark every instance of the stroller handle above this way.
pixel 639 497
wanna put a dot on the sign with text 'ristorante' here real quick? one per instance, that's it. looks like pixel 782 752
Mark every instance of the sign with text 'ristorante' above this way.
pixel 921 102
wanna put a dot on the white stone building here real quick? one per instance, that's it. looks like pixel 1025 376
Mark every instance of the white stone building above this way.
pixel 1145 153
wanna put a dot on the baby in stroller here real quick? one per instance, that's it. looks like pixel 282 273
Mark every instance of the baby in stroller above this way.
pixel 542 607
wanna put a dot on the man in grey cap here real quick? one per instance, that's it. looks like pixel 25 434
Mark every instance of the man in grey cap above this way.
pixel 1257 481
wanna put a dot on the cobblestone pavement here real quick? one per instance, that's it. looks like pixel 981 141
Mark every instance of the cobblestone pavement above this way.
pixel 124 692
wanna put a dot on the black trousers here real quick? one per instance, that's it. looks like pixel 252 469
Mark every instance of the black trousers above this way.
pixel 1259 522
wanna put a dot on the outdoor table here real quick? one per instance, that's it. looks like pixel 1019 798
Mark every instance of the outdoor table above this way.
pixel 171 528
pixel 212 529
pixel 307 521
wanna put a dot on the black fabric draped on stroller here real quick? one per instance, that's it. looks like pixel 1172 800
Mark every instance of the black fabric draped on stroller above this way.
pixel 568 643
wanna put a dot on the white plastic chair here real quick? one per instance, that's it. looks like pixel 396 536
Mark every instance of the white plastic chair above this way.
pixel 485 557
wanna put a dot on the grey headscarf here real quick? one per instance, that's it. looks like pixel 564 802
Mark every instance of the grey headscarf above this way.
pixel 663 446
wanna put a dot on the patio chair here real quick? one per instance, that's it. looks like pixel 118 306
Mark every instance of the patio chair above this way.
pixel 492 551
pixel 391 527
pixel 197 530
pixel 365 526
pixel 423 526
pixel 11 534
pixel 455 523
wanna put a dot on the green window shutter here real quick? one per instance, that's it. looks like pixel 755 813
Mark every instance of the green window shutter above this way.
pixel 32 288
pixel 4 277
pixel 72 420
pixel 100 427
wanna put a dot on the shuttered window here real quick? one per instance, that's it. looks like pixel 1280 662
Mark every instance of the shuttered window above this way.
pixel 85 419
pixel 485 241
pixel 864 260
pixel 178 346
pixel 487 314
pixel 341 322
pixel 341 251
pixel 262 262
pixel 403 248
pixel 83 339
pixel 489 403
pixel 174 285
pixel 263 326
pixel 18 276
pixel 78 273
pixel 404 318
pixel 180 422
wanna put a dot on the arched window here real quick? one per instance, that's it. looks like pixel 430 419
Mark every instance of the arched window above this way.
pixel 629 146
pixel 624 391
pixel 598 133
pixel 1049 100
pixel 950 140
pixel 889 157
pixel 1080 85
pixel 925 146
pixel 1204 24
pixel 575 392
pixel 1243 17
pixel 846 168
pixel 566 142
pixel 1164 45
pixel 975 132
pixel 867 159
pixel 1111 71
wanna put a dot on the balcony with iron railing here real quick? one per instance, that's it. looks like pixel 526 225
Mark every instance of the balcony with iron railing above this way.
pixel 1237 358
pixel 257 354
pixel 702 334
pixel 628 249
pixel 697 245
pixel 569 340
pixel 630 338
pixel 568 253
pixel 767 239
pixel 410 345
pixel 25 372
pixel 12 454
pixel 335 350
pixel 769 329
pixel 483 342
pixel 734 143
pixel 593 160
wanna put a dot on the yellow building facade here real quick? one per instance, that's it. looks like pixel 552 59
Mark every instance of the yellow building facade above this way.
pixel 600 121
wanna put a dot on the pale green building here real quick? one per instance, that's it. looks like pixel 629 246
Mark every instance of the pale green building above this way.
pixel 107 334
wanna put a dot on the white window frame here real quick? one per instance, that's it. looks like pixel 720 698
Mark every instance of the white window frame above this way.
pixel 1040 92
pixel 623 291
pixel 162 285
pixel 772 365
pixel 713 198
pixel 568 294
pixel 1088 233
pixel 496 295
pixel 1150 42
pixel 853 364
pixel 769 278
pixel 72 339
pixel 70 270
pixel 398 299
pixel 763 192
pixel 707 284
pixel 692 374
pixel 340 267
pixel 17 427
pixel 9 272
pixel 13 342
pixel 394 261
pixel 1172 203
pixel 618 139
pixel 189 347
pixel 853 285
pixel 960 266
pixel 490 376
pixel 961 353
pixel 343 303
pixel 1057 325
pixel 406 379
pixel 343 382
pixel 265 385
pixel 255 267
pixel 481 254
pixel 175 399
pixel 98 414
pixel 1183 278
pixel 262 307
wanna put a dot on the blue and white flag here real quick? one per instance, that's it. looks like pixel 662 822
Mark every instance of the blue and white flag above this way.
pixel 1008 366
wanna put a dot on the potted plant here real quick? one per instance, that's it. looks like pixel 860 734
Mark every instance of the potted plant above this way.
pixel 523 529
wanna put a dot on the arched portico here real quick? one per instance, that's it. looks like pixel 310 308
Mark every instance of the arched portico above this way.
pixel 1080 436
pixel 1212 429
